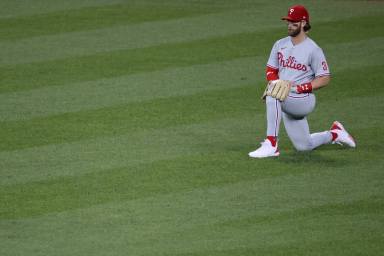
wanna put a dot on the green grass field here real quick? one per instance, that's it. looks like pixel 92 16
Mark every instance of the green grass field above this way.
pixel 125 128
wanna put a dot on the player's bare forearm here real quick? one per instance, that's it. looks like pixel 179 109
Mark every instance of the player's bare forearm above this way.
pixel 319 82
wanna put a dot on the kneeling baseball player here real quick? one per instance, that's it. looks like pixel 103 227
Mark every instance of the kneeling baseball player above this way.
pixel 296 67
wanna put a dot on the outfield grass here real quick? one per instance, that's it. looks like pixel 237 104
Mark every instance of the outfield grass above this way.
pixel 125 128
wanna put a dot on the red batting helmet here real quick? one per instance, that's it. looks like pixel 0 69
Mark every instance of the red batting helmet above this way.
pixel 297 13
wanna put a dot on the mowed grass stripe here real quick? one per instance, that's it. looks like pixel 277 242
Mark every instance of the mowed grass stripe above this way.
pixel 184 81
pixel 148 34
pixel 125 62
pixel 130 61
pixel 317 200
pixel 326 33
pixel 160 113
pixel 94 17
pixel 23 8
pixel 130 183
pixel 20 8
pixel 154 114
pixel 50 161
pixel 327 246
pixel 196 173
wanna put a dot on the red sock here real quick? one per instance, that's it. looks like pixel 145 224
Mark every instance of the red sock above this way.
pixel 334 136
pixel 273 140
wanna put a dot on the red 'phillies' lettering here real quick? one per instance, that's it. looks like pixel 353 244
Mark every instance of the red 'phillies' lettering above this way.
pixel 290 62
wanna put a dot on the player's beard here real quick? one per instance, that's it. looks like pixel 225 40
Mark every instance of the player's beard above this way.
pixel 294 32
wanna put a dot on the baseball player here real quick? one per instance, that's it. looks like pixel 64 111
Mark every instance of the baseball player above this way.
pixel 296 68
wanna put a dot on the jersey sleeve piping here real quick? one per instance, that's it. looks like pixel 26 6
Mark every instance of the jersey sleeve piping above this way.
pixel 325 74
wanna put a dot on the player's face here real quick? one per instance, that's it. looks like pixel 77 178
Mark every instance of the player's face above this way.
pixel 294 28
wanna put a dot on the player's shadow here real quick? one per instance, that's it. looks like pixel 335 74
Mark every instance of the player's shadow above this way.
pixel 315 157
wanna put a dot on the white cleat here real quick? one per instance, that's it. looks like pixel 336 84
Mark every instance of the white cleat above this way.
pixel 266 150
pixel 343 137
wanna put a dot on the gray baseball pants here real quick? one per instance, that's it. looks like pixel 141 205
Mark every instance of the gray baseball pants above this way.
pixel 294 110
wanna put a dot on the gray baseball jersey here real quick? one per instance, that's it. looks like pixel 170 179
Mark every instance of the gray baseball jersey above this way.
pixel 298 63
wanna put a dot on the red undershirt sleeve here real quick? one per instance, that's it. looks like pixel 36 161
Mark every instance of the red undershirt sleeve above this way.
pixel 272 73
